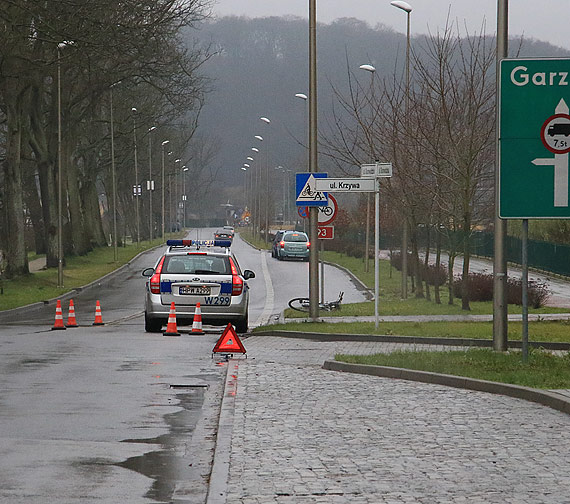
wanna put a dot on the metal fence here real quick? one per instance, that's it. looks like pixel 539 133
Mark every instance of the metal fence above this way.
pixel 542 255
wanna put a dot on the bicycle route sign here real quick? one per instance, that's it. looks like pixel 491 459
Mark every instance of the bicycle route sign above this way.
pixel 534 138
pixel 306 192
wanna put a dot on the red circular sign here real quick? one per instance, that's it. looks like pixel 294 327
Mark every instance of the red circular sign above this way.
pixel 555 133
pixel 328 213
pixel 303 212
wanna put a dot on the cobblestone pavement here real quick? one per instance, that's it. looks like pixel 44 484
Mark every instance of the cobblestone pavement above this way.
pixel 302 434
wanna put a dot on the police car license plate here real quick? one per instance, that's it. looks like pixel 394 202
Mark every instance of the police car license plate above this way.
pixel 195 291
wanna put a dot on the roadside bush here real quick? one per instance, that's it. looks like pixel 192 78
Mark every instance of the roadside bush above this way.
pixel 433 273
pixel 481 289
pixel 428 274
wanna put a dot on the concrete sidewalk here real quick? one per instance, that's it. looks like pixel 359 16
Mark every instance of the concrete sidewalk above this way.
pixel 292 432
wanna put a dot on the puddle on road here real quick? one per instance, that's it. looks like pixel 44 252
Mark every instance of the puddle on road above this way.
pixel 167 467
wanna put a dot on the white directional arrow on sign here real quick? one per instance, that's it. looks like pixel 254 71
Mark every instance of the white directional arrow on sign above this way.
pixel 560 163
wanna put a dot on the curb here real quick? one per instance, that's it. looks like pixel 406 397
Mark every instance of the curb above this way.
pixel 71 293
pixel 217 489
pixel 543 397
pixel 413 340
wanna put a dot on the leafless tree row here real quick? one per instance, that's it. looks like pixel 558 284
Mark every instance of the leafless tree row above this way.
pixel 141 51
pixel 441 145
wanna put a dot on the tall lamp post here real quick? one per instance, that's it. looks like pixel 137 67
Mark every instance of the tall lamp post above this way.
pixel 113 175
pixel 500 306
pixel 136 192
pixel 266 121
pixel 184 170
pixel 60 46
pixel 166 142
pixel 372 70
pixel 150 185
pixel 174 201
pixel 313 164
pixel 407 8
pixel 304 97
pixel 254 213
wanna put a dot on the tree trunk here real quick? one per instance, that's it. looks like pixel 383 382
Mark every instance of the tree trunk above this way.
pixel 419 290
pixel 15 248
pixel 466 259
pixel 33 204
pixel 426 263
pixel 437 265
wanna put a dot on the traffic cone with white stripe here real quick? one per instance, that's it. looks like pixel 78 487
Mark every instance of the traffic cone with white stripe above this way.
pixel 58 324
pixel 197 323
pixel 98 316
pixel 171 329
pixel 71 322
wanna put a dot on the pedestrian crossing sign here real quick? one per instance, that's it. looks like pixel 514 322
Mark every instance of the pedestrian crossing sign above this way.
pixel 305 190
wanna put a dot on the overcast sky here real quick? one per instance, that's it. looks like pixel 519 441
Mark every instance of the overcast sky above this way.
pixel 547 20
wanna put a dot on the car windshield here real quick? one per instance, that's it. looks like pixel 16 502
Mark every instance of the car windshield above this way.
pixel 199 264
pixel 295 237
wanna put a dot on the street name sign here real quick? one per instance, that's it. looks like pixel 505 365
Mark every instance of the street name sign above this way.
pixel 351 185
pixel 381 170
pixel 534 138
pixel 306 192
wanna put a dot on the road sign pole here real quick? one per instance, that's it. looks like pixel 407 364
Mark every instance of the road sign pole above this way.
pixel 376 251
pixel 524 282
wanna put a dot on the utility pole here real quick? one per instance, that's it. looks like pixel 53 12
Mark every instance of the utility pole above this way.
pixel 500 307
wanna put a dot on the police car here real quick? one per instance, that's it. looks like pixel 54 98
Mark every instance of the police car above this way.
pixel 197 271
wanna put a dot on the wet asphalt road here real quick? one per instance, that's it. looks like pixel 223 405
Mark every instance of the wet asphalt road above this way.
pixel 112 414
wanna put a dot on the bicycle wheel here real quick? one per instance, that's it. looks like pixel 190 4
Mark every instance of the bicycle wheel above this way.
pixel 300 304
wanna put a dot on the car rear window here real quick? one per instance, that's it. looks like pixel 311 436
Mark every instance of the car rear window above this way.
pixel 197 264
pixel 295 237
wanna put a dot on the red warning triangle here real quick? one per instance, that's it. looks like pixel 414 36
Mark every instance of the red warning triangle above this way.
pixel 229 342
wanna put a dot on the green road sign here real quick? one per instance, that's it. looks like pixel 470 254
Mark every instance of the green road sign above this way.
pixel 534 138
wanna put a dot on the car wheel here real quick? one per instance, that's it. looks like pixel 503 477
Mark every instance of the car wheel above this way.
pixel 241 325
pixel 152 325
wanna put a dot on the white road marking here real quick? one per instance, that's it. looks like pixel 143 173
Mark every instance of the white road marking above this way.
pixel 269 293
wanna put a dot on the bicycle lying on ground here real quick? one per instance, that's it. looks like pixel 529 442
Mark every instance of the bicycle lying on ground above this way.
pixel 302 304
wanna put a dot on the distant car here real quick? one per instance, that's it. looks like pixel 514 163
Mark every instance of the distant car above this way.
pixel 230 229
pixel 276 240
pixel 223 234
pixel 294 245
pixel 194 271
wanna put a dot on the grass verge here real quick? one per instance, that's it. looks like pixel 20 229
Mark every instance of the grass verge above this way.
pixel 77 272
pixel 551 330
pixel 543 370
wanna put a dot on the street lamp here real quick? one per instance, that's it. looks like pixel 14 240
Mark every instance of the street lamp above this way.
pixel 114 178
pixel 60 46
pixel 150 184
pixel 166 142
pixel 407 8
pixel 184 170
pixel 266 121
pixel 174 208
pixel 137 194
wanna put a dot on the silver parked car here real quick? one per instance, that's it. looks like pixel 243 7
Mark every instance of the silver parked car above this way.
pixel 293 244
pixel 197 271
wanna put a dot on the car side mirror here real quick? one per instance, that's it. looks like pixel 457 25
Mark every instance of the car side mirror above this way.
pixel 247 274
pixel 147 272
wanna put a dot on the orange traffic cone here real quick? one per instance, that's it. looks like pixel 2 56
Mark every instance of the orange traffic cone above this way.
pixel 171 329
pixel 58 317
pixel 98 316
pixel 71 322
pixel 197 323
